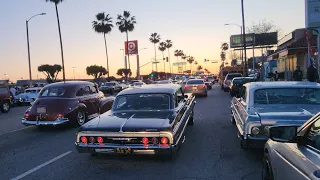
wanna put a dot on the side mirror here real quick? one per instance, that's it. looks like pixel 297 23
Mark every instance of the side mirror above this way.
pixel 283 133
pixel 238 95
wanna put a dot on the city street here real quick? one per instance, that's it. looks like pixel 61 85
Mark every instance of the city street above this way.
pixel 211 151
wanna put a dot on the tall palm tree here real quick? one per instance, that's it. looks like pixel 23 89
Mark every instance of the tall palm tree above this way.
pixel 184 57
pixel 56 2
pixel 177 54
pixel 126 24
pixel 104 25
pixel 155 38
pixel 162 47
pixel 199 68
pixel 190 60
pixel 168 46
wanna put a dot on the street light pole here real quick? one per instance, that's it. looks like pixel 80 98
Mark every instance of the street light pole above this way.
pixel 241 52
pixel 244 41
pixel 74 77
pixel 29 59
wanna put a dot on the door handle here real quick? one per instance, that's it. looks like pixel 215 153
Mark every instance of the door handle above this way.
pixel 317 173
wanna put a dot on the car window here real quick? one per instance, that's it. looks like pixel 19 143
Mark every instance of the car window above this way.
pixel 231 76
pixel 313 136
pixel 52 92
pixel 196 81
pixel 243 94
pixel 80 92
pixel 93 90
pixel 3 90
pixel 178 97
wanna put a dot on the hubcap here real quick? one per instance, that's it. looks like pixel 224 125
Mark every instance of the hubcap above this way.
pixel 5 106
pixel 81 117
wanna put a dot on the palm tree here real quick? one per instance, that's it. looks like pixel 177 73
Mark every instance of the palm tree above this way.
pixel 126 24
pixel 199 67
pixel 104 25
pixel 155 38
pixel 224 46
pixel 168 46
pixel 162 47
pixel 177 54
pixel 56 2
pixel 190 60
pixel 184 57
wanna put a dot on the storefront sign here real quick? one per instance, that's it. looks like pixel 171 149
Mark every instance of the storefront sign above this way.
pixel 312 13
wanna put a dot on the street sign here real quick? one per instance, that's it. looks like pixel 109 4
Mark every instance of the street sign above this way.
pixel 262 39
pixel 179 64
pixel 131 47
pixel 312 11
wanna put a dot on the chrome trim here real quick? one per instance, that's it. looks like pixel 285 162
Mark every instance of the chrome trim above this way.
pixel 56 122
pixel 125 123
pixel 125 134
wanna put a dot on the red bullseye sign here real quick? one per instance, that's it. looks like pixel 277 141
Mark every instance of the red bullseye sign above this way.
pixel 131 47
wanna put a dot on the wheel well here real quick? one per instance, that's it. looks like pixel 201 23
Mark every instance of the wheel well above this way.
pixel 266 150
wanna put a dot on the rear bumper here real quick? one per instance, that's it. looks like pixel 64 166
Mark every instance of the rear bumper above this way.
pixel 45 123
pixel 112 149
pixel 199 92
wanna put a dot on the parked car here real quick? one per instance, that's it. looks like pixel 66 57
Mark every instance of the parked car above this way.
pixel 211 79
pixel 293 152
pixel 237 83
pixel 147 120
pixel 110 87
pixel 196 86
pixel 28 97
pixel 164 82
pixel 209 84
pixel 5 99
pixel 260 105
pixel 74 102
pixel 227 81
pixel 137 84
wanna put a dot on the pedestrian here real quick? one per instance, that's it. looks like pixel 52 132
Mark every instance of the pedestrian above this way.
pixel 13 91
pixel 312 74
pixel 297 74
pixel 276 76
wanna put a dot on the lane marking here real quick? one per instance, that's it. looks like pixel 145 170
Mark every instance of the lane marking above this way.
pixel 41 166
pixel 16 130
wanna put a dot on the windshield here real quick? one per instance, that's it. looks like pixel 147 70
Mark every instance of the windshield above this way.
pixel 231 76
pixel 142 102
pixel 287 96
pixel 108 84
pixel 242 81
pixel 195 82
pixel 52 92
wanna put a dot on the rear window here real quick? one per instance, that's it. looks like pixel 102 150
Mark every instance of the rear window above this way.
pixel 231 76
pixel 195 82
pixel 53 92
pixel 3 90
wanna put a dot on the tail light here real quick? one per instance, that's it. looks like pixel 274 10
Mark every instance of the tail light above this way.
pixel 26 115
pixel 164 140
pixel 186 86
pixel 100 140
pixel 202 86
pixel 155 141
pixel 92 140
pixel 145 140
pixel 84 140
pixel 60 115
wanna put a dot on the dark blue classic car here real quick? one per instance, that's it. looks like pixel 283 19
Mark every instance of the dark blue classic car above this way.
pixel 150 119
pixel 260 105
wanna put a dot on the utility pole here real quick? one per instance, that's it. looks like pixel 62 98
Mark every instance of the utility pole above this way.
pixel 244 41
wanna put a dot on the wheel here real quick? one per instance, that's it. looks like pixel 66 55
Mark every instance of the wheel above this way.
pixel 191 119
pixel 81 118
pixel 5 107
pixel 244 144
pixel 267 173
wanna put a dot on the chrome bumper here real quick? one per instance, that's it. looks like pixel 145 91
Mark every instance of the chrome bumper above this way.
pixel 111 148
pixel 45 123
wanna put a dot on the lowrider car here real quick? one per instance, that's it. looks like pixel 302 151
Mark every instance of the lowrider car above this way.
pixel 74 102
pixel 293 152
pixel 144 120
pixel 260 105
pixel 28 97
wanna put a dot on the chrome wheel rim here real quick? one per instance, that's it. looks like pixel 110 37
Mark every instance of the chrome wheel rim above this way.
pixel 81 118
pixel 5 106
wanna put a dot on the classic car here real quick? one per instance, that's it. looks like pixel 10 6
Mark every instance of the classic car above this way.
pixel 293 152
pixel 144 120
pixel 237 83
pixel 110 87
pixel 5 99
pixel 28 97
pixel 260 105
pixel 71 102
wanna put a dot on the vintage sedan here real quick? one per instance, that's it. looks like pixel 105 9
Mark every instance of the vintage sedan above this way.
pixel 28 97
pixel 260 105
pixel 293 152
pixel 144 120
pixel 74 102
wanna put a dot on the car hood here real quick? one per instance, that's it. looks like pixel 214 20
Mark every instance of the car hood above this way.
pixel 130 122
pixel 286 114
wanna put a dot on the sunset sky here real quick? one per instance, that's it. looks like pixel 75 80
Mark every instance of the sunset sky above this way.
pixel 196 27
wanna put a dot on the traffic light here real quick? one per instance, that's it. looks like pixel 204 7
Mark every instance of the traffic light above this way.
pixel 206 60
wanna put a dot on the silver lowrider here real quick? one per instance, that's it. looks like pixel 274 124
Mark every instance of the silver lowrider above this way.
pixel 260 105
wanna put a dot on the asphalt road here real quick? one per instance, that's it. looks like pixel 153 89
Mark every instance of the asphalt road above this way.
pixel 211 151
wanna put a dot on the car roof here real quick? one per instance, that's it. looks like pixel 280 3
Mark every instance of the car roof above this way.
pixel 282 84
pixel 35 88
pixel 233 74
pixel 154 88
pixel 243 78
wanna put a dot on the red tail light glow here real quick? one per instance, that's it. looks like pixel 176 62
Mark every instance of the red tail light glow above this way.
pixel 202 86
pixel 186 86
pixel 60 115
pixel 100 140
pixel 84 140
pixel 145 140
pixel 164 140
pixel 92 140
pixel 26 115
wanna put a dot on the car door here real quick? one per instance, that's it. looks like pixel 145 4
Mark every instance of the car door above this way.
pixel 240 106
pixel 86 99
pixel 95 100
pixel 298 161
pixel 180 110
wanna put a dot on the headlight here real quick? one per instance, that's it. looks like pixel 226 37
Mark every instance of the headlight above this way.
pixel 255 130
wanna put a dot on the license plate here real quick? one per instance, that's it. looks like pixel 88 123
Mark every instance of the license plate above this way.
pixel 123 151
pixel 194 88
pixel 41 110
